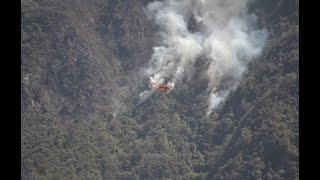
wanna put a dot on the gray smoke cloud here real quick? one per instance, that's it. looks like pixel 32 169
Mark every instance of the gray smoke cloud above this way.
pixel 223 33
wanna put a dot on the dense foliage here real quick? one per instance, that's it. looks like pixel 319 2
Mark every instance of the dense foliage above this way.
pixel 80 87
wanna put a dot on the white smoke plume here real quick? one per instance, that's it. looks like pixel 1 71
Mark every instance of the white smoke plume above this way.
pixel 223 33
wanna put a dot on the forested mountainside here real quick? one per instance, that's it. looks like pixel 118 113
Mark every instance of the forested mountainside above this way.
pixel 80 111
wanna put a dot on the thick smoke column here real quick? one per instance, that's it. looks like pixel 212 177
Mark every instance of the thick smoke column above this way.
pixel 223 34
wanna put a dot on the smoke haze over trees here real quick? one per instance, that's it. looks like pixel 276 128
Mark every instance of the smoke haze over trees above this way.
pixel 86 63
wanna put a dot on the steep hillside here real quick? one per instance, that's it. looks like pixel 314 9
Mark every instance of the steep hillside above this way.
pixel 81 117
